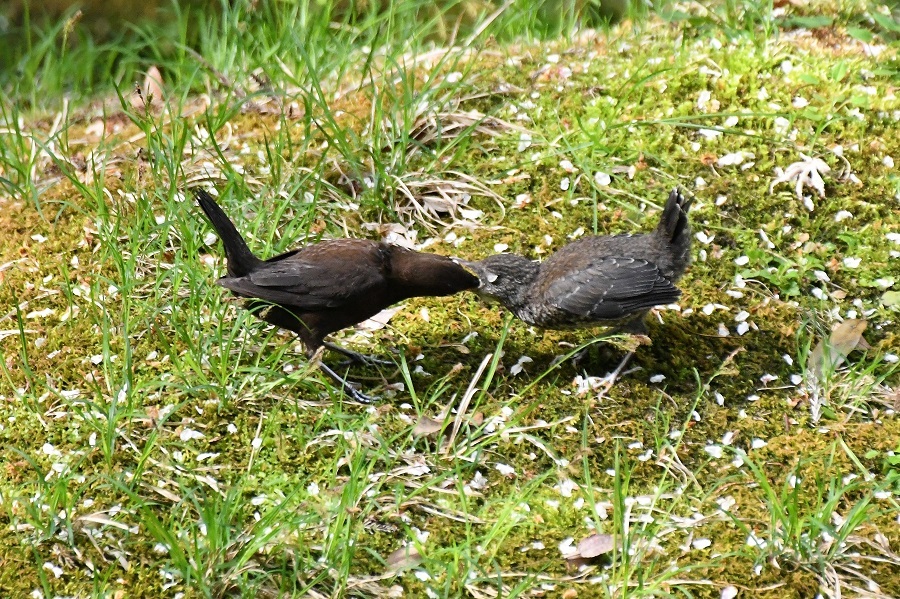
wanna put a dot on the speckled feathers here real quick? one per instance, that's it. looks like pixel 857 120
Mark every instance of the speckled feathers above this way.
pixel 597 280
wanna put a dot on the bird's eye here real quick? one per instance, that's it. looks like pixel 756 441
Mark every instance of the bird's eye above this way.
pixel 491 277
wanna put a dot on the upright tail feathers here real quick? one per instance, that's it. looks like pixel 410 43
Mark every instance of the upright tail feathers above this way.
pixel 240 259
pixel 676 230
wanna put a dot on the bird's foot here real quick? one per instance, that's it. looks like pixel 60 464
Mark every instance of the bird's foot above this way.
pixel 358 396
pixel 610 379
pixel 349 390
pixel 356 357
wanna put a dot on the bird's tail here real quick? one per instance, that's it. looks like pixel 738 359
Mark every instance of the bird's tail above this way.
pixel 676 230
pixel 240 259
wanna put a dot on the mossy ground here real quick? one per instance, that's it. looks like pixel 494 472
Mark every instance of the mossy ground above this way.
pixel 199 455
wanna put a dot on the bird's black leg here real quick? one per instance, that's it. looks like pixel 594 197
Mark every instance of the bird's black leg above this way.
pixel 352 392
pixel 356 356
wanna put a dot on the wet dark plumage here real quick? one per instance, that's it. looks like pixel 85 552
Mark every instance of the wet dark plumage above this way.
pixel 324 287
pixel 598 280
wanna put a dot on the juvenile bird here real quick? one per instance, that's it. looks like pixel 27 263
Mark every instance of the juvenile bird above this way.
pixel 324 287
pixel 610 280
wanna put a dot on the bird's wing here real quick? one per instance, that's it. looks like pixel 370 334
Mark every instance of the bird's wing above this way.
pixel 314 280
pixel 610 288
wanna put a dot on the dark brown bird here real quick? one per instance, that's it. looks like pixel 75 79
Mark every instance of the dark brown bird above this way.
pixel 610 280
pixel 322 288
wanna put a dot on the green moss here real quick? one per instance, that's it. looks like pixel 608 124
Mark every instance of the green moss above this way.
pixel 224 377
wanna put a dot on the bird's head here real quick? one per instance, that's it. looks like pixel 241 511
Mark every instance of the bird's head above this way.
pixel 503 277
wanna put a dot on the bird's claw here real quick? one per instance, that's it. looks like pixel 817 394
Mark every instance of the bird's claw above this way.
pixel 358 396
pixel 349 390
pixel 610 379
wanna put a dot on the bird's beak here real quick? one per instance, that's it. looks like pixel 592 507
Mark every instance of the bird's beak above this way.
pixel 483 275
pixel 469 266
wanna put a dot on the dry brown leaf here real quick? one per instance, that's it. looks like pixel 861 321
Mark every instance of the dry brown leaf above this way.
pixel 588 550
pixel 153 414
pixel 458 347
pixel 403 558
pixel 427 427
pixel 595 545
pixel 830 354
